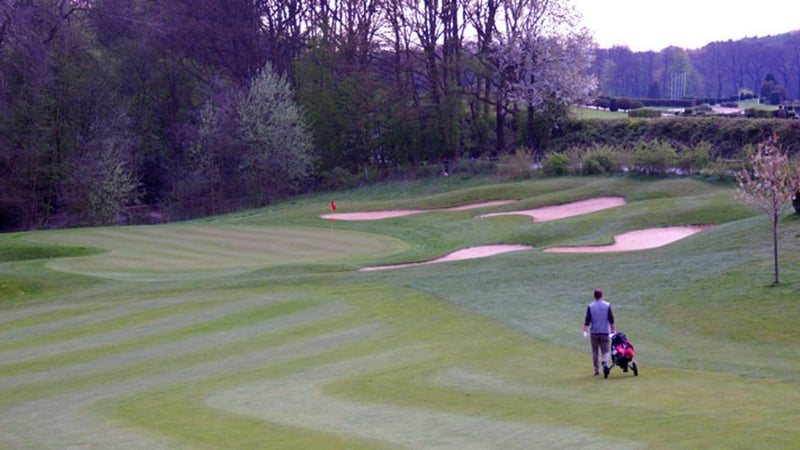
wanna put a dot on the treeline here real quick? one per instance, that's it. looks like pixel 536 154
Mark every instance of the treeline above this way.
pixel 180 107
pixel 168 110
pixel 764 67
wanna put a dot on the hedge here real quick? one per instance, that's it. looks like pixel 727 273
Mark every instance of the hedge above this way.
pixel 726 136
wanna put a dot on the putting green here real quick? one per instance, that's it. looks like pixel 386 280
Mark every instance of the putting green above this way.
pixel 185 251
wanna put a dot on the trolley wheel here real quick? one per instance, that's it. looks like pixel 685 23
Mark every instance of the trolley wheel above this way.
pixel 635 369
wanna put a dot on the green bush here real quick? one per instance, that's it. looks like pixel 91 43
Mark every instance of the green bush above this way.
pixel 601 160
pixel 758 113
pixel 726 136
pixel 624 103
pixel 338 179
pixel 556 164
pixel 473 166
pixel 517 164
pixel 654 157
pixel 644 113
pixel 693 160
pixel 602 103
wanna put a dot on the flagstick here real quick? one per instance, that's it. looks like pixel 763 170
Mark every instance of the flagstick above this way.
pixel 333 211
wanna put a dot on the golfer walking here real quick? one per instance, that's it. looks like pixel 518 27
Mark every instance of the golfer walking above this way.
pixel 599 323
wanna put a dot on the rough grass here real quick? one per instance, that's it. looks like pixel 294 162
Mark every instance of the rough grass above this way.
pixel 255 330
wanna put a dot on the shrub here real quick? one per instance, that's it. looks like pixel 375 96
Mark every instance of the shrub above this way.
pixel 601 160
pixel 654 157
pixel 780 114
pixel 602 103
pixel 556 164
pixel 758 113
pixel 699 110
pixel 695 159
pixel 671 103
pixel 624 103
pixel 517 164
pixel 725 135
pixel 473 166
pixel 644 113
pixel 338 179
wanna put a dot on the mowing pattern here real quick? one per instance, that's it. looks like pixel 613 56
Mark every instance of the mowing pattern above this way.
pixel 186 252
pixel 223 336
pixel 58 372
pixel 92 370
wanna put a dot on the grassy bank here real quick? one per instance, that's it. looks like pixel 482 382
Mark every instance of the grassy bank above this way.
pixel 256 330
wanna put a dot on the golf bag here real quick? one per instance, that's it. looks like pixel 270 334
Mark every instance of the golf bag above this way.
pixel 622 354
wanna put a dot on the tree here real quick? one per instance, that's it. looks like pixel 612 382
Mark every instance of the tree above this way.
pixel 212 184
pixel 769 183
pixel 277 143
pixel 544 55
pixel 654 91
pixel 100 183
pixel 221 34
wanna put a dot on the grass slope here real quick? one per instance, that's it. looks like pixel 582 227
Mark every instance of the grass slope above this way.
pixel 255 330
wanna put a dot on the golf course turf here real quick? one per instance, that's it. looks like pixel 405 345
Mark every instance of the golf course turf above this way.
pixel 259 330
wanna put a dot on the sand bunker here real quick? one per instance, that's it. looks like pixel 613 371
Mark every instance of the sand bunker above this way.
pixel 377 215
pixel 547 213
pixel 636 240
pixel 626 242
pixel 467 253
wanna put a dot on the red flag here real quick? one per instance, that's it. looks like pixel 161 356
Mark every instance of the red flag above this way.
pixel 333 206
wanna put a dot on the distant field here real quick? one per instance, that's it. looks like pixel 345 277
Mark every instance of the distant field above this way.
pixel 594 113
pixel 256 330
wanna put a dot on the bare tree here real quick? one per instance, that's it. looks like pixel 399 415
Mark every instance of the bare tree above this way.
pixel 481 16
pixel 225 35
pixel 284 26
pixel 769 184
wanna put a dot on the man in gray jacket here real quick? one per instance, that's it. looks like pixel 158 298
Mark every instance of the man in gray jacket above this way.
pixel 600 323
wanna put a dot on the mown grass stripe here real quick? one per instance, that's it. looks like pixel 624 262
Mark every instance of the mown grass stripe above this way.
pixel 37 430
pixel 58 329
pixel 175 347
pixel 190 315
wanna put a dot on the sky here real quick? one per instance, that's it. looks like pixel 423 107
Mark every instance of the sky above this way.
pixel 643 25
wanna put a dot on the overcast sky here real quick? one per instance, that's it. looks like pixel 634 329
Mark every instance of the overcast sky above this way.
pixel 654 24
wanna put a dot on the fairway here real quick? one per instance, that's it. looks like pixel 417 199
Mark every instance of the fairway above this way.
pixel 261 330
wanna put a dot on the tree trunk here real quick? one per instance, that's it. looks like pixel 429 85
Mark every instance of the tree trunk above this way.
pixel 775 246
pixel 500 129
pixel 530 132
